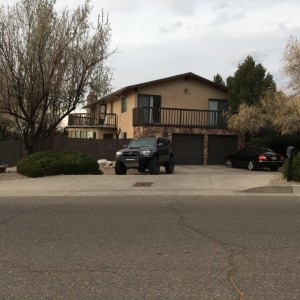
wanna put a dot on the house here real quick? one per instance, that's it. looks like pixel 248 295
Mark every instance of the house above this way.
pixel 186 108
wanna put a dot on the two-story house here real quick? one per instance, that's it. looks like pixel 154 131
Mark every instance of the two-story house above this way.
pixel 186 108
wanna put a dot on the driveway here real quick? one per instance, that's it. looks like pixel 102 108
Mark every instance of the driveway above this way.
pixel 187 180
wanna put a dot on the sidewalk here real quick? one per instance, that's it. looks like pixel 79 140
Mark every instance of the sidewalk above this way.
pixel 187 180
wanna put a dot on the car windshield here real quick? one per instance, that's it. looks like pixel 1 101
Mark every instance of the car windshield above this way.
pixel 142 143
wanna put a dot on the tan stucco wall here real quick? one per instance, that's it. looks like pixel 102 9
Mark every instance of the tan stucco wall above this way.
pixel 177 93
pixel 181 93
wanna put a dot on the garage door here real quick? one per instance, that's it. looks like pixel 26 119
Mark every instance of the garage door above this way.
pixel 188 149
pixel 219 146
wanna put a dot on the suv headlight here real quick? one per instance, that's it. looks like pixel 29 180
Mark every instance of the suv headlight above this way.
pixel 146 152
pixel 118 153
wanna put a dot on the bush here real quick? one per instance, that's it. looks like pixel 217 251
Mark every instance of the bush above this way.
pixel 295 168
pixel 49 163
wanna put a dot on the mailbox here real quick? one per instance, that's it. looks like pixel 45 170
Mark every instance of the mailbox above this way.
pixel 291 152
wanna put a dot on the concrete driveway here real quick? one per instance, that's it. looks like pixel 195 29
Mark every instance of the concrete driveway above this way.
pixel 187 180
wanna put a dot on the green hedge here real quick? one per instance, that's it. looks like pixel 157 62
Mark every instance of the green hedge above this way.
pixel 49 163
pixel 295 168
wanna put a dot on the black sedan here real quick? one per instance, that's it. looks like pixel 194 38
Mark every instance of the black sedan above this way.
pixel 255 158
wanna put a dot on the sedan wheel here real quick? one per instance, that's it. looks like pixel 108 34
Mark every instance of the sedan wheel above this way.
pixel 228 163
pixel 251 165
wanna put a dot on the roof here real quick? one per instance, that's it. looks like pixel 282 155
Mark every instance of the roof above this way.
pixel 188 75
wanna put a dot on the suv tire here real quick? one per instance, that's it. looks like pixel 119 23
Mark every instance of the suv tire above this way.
pixel 169 166
pixel 120 169
pixel 154 166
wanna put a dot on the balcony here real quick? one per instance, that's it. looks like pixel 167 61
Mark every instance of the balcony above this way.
pixel 176 117
pixel 92 120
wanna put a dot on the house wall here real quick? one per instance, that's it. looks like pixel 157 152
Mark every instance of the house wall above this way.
pixel 181 93
pixel 85 133
pixel 124 119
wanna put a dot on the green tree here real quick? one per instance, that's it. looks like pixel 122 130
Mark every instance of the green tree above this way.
pixel 48 60
pixel 249 83
pixel 218 79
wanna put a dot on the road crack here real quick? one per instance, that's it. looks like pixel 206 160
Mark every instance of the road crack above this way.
pixel 233 250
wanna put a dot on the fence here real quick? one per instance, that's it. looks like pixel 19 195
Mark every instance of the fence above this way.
pixel 12 151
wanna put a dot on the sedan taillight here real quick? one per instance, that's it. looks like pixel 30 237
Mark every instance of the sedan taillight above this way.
pixel 262 157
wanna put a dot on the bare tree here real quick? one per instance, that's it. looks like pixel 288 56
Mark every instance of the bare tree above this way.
pixel 48 60
pixel 291 64
pixel 275 111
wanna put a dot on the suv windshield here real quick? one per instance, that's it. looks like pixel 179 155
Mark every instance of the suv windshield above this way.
pixel 142 143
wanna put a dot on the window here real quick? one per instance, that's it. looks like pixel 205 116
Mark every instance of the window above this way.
pixel 215 116
pixel 124 105
pixel 151 105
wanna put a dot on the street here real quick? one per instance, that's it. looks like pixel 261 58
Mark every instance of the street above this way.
pixel 158 247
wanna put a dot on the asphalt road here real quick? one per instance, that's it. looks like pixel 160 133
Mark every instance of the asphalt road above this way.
pixel 144 248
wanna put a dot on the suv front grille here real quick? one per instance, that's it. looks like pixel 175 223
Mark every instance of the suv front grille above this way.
pixel 131 154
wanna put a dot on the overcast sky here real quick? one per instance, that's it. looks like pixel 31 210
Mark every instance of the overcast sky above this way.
pixel 161 38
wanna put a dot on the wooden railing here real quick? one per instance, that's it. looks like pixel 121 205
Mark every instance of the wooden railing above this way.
pixel 83 119
pixel 176 117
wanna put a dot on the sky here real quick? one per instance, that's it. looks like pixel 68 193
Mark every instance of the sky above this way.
pixel 160 38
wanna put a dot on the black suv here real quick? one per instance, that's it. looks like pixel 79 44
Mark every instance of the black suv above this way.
pixel 146 153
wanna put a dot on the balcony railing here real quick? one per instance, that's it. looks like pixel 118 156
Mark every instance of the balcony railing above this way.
pixel 83 119
pixel 176 117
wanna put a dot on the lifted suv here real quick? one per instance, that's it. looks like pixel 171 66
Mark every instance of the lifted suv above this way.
pixel 145 153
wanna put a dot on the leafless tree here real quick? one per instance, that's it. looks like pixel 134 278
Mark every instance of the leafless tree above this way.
pixel 48 62
pixel 291 64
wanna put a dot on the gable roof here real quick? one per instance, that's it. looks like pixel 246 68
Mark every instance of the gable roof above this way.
pixel 186 76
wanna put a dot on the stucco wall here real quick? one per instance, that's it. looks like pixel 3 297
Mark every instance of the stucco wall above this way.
pixel 181 93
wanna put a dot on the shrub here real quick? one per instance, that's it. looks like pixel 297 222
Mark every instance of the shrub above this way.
pixel 295 168
pixel 49 163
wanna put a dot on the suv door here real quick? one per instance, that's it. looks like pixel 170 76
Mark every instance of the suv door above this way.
pixel 163 150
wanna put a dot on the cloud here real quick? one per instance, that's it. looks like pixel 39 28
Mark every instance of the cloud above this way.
pixel 171 28
pixel 239 57
pixel 225 17
pixel 179 7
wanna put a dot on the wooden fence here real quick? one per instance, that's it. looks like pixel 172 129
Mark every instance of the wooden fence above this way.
pixel 12 151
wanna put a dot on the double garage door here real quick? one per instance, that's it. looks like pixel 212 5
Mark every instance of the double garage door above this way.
pixel 189 148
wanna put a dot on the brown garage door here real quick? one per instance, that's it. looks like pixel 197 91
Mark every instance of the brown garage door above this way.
pixel 188 149
pixel 219 146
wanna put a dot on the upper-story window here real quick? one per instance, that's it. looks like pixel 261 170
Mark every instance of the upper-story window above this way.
pixel 152 105
pixel 215 104
pixel 124 104
pixel 215 116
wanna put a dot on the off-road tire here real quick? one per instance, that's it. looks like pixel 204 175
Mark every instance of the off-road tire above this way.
pixel 154 166
pixel 120 169
pixel 169 166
